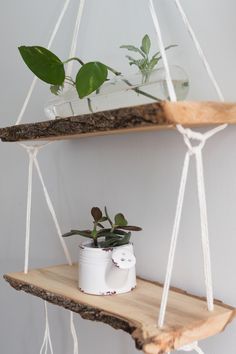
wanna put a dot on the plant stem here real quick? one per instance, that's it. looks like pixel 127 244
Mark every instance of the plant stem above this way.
pixel 117 73
pixel 142 92
pixel 90 105
pixel 74 58
pixel 69 79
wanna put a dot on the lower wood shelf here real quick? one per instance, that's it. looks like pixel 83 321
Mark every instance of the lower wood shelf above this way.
pixel 187 318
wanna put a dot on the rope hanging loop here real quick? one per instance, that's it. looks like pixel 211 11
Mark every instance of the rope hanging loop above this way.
pixel 191 347
pixel 32 152
pixel 188 136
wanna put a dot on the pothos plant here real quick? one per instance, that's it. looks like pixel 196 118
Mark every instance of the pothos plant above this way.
pixel 90 76
pixel 107 232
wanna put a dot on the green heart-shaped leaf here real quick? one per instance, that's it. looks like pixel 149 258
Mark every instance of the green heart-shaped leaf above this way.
pixel 120 220
pixel 90 77
pixel 44 64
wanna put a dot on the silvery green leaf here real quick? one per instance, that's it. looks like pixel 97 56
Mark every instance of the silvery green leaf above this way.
pixel 146 44
pixel 132 48
pixel 153 63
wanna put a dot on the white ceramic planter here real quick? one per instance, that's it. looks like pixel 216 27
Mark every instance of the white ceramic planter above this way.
pixel 106 271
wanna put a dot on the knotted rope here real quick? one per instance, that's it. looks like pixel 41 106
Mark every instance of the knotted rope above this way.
pixel 47 342
pixel 195 151
pixel 190 347
pixel 32 153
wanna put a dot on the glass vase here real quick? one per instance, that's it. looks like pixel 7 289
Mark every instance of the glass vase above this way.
pixel 122 91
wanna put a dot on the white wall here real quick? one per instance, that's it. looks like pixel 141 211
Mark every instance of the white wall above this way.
pixel 138 174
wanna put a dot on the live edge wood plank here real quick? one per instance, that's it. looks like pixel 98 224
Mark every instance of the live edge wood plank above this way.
pixel 187 318
pixel 152 116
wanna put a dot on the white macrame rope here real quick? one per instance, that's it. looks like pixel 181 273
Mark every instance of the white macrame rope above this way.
pixel 68 73
pixel 204 228
pixel 169 82
pixel 197 152
pixel 74 334
pixel 190 347
pixel 192 150
pixel 47 342
pixel 32 153
pixel 199 50
pixel 174 238
pixel 75 37
pixel 53 213
pixel 32 86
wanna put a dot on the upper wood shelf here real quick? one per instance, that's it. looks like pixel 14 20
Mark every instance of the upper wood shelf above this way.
pixel 187 318
pixel 152 116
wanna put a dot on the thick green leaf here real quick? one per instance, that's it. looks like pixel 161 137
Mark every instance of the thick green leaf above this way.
pixel 110 234
pixel 146 44
pixel 104 230
pixel 85 233
pixel 130 228
pixel 125 239
pixel 90 77
pixel 104 218
pixel 115 233
pixel 120 220
pixel 96 213
pixel 107 243
pixel 119 232
pixel 44 64
pixel 114 242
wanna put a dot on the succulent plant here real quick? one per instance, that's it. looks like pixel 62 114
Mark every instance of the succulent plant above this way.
pixel 117 234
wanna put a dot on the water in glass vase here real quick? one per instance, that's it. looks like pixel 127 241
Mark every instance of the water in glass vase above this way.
pixel 123 91
pixel 179 79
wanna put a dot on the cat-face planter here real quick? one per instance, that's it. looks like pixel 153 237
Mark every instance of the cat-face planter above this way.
pixel 106 271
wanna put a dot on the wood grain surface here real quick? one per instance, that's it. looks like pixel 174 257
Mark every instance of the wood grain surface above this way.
pixel 187 318
pixel 149 117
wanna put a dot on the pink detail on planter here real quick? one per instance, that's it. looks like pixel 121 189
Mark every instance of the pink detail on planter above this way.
pixel 107 249
pixel 115 263
pixel 110 293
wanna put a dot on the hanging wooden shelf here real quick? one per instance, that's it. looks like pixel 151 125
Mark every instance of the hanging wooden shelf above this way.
pixel 187 318
pixel 147 117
